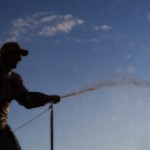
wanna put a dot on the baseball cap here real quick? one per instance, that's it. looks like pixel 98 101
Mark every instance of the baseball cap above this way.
pixel 13 47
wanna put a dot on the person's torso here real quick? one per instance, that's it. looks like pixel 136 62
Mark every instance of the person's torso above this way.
pixel 7 84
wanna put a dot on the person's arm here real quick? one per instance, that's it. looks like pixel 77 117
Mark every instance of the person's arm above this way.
pixel 35 99
pixel 30 99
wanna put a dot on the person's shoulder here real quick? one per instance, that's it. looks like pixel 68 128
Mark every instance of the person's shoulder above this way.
pixel 15 76
pixel 16 81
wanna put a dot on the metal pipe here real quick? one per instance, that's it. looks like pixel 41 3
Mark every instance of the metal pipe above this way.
pixel 52 127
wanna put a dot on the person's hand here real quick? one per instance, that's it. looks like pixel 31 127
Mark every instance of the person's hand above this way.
pixel 54 98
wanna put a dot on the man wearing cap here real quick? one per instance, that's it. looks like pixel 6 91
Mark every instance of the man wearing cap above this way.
pixel 11 87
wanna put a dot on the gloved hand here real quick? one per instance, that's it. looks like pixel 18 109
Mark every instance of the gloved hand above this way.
pixel 54 98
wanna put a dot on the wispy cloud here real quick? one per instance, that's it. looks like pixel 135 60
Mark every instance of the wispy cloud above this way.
pixel 43 24
pixel 103 27
pixel 64 26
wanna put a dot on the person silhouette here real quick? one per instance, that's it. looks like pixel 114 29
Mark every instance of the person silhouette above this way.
pixel 12 88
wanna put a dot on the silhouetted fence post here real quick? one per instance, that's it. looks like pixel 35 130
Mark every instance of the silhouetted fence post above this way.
pixel 52 127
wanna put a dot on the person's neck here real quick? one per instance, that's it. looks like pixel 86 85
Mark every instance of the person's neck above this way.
pixel 4 67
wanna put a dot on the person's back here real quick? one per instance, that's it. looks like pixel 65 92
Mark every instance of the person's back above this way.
pixel 8 85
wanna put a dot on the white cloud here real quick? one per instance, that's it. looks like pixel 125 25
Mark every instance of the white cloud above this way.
pixel 48 31
pixel 43 24
pixel 63 27
pixel 20 23
pixel 102 27
pixel 48 19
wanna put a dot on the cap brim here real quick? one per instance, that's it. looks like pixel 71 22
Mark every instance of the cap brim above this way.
pixel 24 52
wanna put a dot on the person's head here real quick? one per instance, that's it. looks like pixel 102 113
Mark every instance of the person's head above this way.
pixel 11 54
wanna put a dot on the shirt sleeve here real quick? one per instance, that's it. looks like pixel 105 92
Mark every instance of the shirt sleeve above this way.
pixel 26 98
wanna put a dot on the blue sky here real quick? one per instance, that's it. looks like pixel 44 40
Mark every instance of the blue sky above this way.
pixel 74 45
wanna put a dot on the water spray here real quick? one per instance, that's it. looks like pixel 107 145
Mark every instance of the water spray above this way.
pixel 110 83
